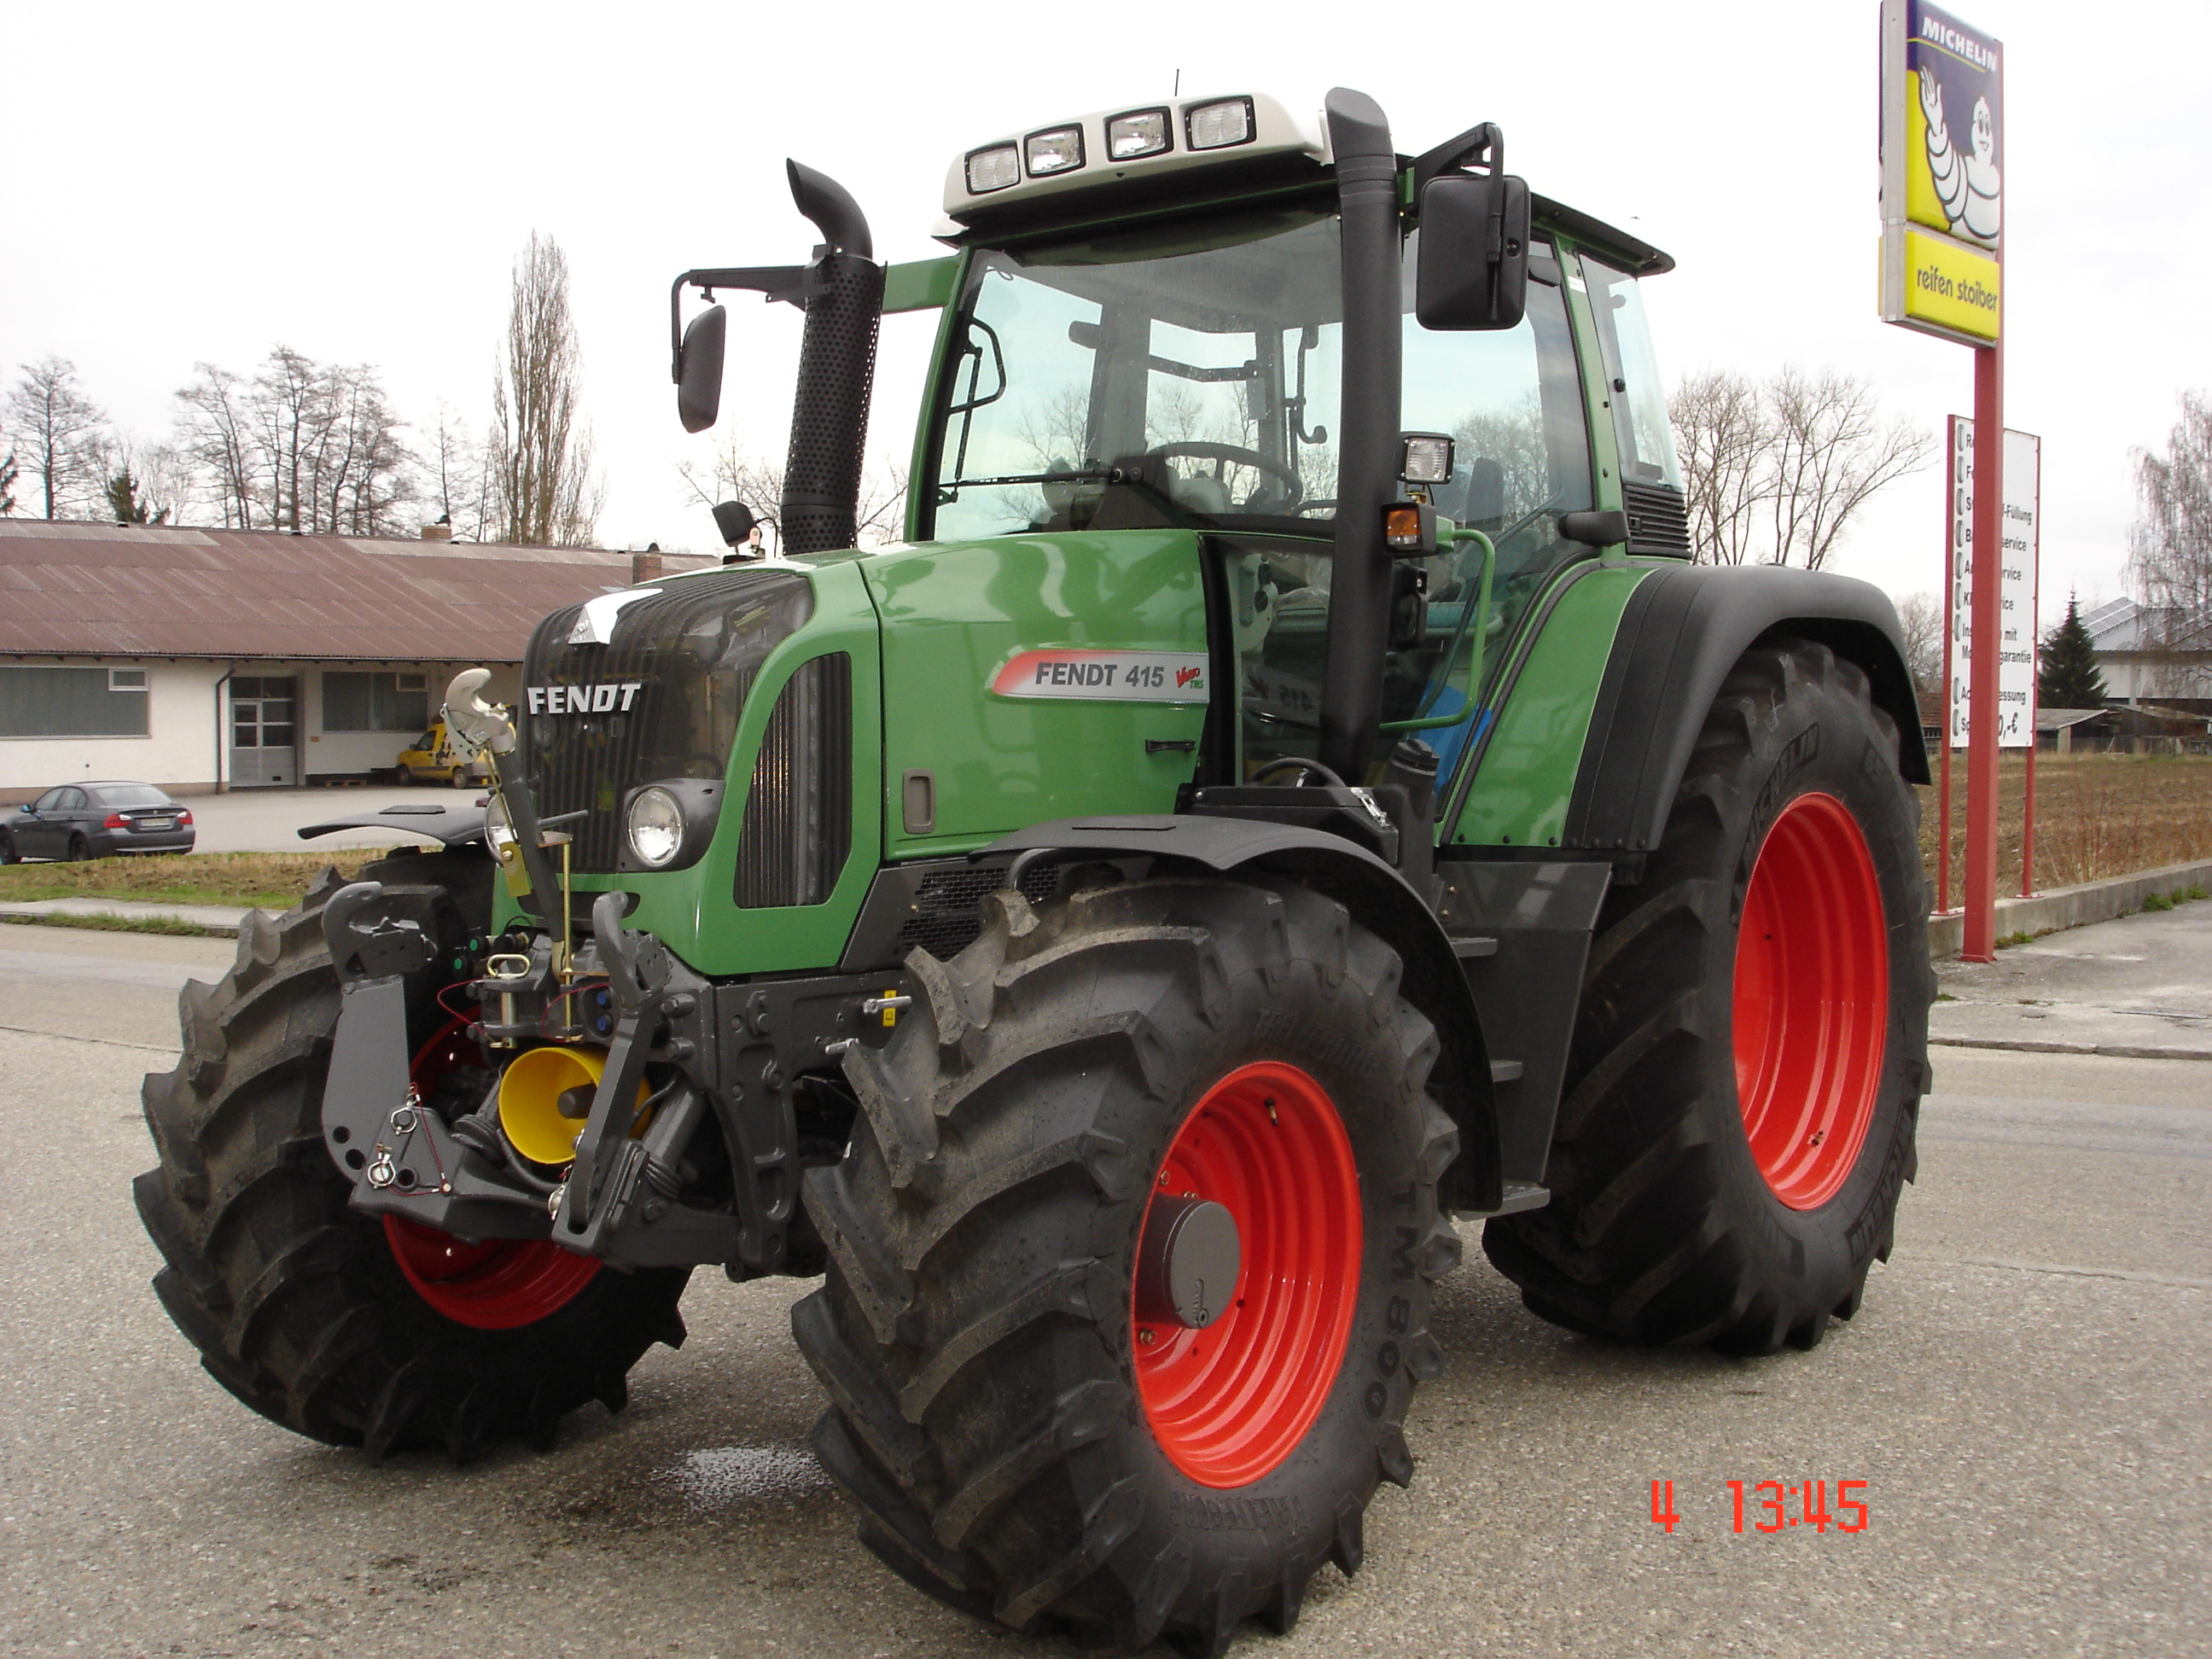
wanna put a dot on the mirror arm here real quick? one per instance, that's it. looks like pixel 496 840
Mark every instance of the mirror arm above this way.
pixel 785 283
pixel 1485 140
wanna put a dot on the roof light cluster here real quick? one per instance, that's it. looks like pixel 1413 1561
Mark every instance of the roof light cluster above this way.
pixel 1102 144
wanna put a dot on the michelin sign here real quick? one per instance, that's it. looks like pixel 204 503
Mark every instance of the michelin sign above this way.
pixel 1942 172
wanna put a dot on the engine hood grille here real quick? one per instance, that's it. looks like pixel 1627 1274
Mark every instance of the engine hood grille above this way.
pixel 647 685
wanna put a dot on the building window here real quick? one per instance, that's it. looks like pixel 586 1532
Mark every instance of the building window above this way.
pixel 375 702
pixel 72 702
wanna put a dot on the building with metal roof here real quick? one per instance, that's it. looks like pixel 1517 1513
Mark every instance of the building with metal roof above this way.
pixel 210 660
pixel 2150 655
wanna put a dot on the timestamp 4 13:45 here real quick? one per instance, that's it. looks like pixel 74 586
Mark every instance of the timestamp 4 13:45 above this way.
pixel 1775 1500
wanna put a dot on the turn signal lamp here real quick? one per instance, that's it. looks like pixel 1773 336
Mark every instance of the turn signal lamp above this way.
pixel 1409 528
pixel 1218 124
pixel 1141 132
pixel 1057 150
pixel 994 168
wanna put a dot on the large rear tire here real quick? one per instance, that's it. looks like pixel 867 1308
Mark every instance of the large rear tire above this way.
pixel 1022 1440
pixel 342 1327
pixel 1738 1113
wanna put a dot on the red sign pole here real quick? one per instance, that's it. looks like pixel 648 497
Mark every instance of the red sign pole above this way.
pixel 1950 644
pixel 1981 894
pixel 2035 691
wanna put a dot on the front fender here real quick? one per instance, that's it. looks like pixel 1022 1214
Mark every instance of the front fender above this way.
pixel 1374 892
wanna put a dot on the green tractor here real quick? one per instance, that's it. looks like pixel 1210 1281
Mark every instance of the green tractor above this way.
pixel 1290 790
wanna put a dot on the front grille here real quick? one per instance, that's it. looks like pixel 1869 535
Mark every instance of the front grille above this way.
pixel 660 700
pixel 1658 522
pixel 798 816
pixel 948 907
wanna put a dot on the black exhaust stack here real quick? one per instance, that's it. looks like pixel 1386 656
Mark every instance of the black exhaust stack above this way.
pixel 844 300
pixel 1367 441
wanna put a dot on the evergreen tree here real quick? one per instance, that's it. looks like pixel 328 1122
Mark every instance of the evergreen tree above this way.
pixel 8 483
pixel 126 506
pixel 2068 676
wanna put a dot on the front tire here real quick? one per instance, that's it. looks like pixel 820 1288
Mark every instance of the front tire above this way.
pixel 343 1327
pixel 1021 1439
pixel 1738 1117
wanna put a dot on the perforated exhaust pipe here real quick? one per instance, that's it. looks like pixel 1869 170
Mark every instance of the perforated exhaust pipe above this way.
pixel 844 301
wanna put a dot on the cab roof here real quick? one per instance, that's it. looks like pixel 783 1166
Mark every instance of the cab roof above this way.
pixel 1217 148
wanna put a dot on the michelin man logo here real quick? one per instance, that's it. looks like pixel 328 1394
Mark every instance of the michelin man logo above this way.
pixel 1967 181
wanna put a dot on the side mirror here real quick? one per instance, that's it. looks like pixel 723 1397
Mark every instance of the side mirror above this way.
pixel 1474 271
pixel 735 520
pixel 1608 529
pixel 699 369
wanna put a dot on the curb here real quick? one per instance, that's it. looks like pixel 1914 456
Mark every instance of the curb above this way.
pixel 2071 907
pixel 2032 1046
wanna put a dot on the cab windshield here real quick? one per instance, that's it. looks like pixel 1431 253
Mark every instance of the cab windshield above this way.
pixel 1183 373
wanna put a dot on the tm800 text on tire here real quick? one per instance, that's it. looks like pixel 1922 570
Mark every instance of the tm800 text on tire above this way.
pixel 1752 1044
pixel 346 1328
pixel 1028 1430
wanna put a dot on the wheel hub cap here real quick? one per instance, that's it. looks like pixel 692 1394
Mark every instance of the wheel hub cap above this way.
pixel 1811 1006
pixel 1256 1215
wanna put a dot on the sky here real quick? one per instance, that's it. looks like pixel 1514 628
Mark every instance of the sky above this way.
pixel 188 183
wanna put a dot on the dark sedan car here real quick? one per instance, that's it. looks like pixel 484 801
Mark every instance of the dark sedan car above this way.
pixel 94 821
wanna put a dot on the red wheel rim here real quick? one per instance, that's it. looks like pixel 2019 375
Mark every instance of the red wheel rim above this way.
pixel 1812 1000
pixel 1229 1403
pixel 497 1284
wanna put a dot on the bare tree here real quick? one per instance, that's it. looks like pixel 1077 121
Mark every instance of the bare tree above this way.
pixel 303 446
pixel 1920 618
pixel 1721 437
pixel 2170 555
pixel 734 472
pixel 1775 470
pixel 2170 546
pixel 216 433
pixel 541 450
pixel 56 426
pixel 458 481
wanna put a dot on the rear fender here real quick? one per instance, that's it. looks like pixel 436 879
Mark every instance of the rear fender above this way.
pixel 1684 629
pixel 1372 891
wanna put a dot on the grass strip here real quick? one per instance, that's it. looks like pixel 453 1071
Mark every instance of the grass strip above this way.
pixel 271 880
pixel 174 925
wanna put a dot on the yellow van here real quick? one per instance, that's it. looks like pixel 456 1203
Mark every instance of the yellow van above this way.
pixel 432 758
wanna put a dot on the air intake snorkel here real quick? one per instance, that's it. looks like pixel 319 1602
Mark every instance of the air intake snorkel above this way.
pixel 1359 581
pixel 844 301
pixel 841 290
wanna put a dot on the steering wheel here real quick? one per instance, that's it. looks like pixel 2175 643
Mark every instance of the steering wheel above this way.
pixel 1293 486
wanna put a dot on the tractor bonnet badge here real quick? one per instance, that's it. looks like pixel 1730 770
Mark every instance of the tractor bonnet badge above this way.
pixel 613 697
pixel 1106 676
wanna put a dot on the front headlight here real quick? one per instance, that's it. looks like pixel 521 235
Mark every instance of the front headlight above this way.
pixel 667 825
pixel 656 827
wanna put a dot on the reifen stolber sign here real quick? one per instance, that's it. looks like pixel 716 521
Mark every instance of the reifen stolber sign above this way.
pixel 1942 174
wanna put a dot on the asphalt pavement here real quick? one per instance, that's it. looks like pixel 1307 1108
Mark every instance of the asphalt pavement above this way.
pixel 2021 1393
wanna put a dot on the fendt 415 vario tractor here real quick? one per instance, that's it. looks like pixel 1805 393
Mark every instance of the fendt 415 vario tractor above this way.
pixel 1291 788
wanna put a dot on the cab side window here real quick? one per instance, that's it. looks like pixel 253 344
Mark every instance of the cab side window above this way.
pixel 1631 368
